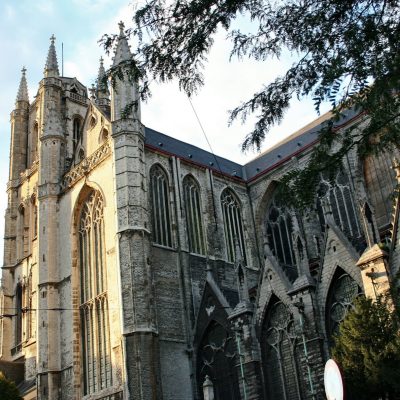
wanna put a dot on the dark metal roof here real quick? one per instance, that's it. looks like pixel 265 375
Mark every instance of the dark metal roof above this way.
pixel 299 143
pixel 266 161
pixel 169 145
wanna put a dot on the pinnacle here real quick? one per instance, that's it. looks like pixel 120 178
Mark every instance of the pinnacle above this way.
pixel 23 88
pixel 51 68
pixel 101 86
pixel 122 51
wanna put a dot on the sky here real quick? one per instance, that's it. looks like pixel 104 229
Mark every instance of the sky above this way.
pixel 25 29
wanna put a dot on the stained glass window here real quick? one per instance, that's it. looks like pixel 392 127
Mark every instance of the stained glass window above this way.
pixel 340 200
pixel 159 192
pixel 343 291
pixel 280 354
pixel 233 224
pixel 380 179
pixel 193 215
pixel 279 236
pixel 94 304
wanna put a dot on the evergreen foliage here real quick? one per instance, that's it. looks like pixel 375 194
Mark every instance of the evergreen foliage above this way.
pixel 347 54
pixel 367 348
pixel 8 390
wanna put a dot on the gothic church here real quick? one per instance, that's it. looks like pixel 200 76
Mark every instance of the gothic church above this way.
pixel 137 266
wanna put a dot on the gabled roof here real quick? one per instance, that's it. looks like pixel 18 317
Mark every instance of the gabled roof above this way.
pixel 268 160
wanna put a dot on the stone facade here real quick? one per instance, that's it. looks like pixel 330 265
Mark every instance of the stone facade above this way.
pixel 137 266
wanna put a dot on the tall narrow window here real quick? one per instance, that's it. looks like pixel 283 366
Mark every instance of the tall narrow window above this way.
pixel 34 142
pixel 233 224
pixel 94 304
pixel 23 232
pixel 76 133
pixel 340 199
pixel 380 179
pixel 279 235
pixel 342 293
pixel 18 317
pixel 160 203
pixel 280 353
pixel 193 215
pixel 29 308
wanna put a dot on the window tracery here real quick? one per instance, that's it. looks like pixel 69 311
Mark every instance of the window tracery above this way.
pixel 233 224
pixel 338 197
pixel 279 228
pixel 193 215
pixel 94 302
pixel 159 192
pixel 343 292
pixel 216 358
pixel 280 354
pixel 380 179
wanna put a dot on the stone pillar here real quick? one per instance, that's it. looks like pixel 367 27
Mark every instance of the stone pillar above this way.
pixel 248 354
pixel 139 321
pixel 308 340
pixel 374 271
pixel 52 143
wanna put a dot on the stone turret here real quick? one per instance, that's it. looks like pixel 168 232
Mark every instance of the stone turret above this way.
pixel 12 243
pixel 125 93
pixel 139 320
pixel 102 92
pixel 51 166
pixel 19 130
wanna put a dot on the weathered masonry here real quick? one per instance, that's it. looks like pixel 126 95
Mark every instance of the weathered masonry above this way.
pixel 141 267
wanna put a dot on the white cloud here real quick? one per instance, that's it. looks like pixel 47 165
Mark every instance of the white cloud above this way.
pixel 24 41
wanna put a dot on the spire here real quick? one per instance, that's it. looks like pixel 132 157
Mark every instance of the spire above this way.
pixel 23 88
pixel 51 68
pixel 101 86
pixel 122 51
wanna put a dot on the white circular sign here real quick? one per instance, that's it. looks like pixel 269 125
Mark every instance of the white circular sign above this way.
pixel 333 381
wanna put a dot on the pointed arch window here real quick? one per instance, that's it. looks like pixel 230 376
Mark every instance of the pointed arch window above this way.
pixel 342 293
pixel 279 228
pixel 339 198
pixel 23 227
pixel 29 312
pixel 18 317
pixel 380 179
pixel 281 355
pixel 233 224
pixel 159 192
pixel 34 142
pixel 193 215
pixel 94 302
pixel 216 358
pixel 76 128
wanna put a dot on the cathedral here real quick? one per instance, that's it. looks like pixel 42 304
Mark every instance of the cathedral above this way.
pixel 137 266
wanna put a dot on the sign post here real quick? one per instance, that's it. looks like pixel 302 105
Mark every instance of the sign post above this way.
pixel 333 381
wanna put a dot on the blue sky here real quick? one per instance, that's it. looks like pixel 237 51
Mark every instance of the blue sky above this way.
pixel 25 29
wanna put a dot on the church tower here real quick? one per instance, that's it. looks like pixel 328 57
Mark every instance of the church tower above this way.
pixel 13 234
pixel 139 322
pixel 51 153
